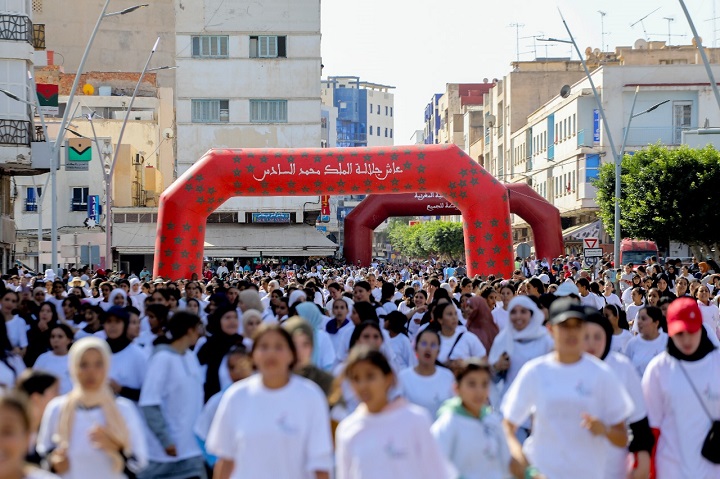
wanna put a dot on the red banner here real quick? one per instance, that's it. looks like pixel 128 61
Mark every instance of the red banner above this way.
pixel 325 205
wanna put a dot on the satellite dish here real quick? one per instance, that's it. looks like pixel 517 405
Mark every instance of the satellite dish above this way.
pixel 565 91
pixel 490 119
pixel 88 89
pixel 597 52
pixel 640 44
pixel 588 51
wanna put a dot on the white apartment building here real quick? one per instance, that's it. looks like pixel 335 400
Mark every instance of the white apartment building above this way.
pixel 564 142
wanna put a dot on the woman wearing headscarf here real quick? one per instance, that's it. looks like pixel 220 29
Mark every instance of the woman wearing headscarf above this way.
pixel 323 351
pixel 524 338
pixel 480 321
pixel 88 432
pixel 129 362
pixel 118 297
pixel 223 325
pixel 250 299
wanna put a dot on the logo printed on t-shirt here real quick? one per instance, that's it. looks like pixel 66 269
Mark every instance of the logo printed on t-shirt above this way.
pixel 710 394
pixel 583 390
pixel 394 452
pixel 285 426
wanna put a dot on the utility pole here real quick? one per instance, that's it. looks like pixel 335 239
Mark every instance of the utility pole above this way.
pixel 603 46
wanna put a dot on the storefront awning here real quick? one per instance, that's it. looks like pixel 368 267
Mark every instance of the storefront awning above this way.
pixel 575 234
pixel 233 240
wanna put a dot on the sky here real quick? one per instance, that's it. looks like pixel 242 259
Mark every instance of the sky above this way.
pixel 418 46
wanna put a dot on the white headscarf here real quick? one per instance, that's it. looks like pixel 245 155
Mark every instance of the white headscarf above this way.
pixel 117 292
pixel 504 341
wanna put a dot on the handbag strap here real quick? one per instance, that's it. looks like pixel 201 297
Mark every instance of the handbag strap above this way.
pixel 697 394
pixel 455 344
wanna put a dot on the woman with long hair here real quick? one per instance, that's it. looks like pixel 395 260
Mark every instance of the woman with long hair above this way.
pixel 55 361
pixel 621 334
pixel 88 432
pixel 274 408
pixel 38 332
pixel 15 326
pixel 710 313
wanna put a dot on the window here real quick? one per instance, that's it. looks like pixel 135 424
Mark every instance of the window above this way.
pixel 574 125
pixel 79 199
pixel 210 111
pixel 386 132
pixel 387 110
pixel 390 132
pixel 268 46
pixel 371 107
pixel 210 46
pixel 268 111
pixel 370 130
pixel 391 111
pixel 32 194
pixel 378 131
pixel 592 163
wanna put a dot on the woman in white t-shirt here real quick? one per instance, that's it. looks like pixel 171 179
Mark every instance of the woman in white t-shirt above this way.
pixel 501 314
pixel 626 297
pixel 650 342
pixel 56 361
pixel 524 339
pixel 394 324
pixel 455 343
pixel 415 315
pixel 88 432
pixel 577 405
pixel 621 334
pixel 270 412
pixel 129 361
pixel 15 422
pixel 638 302
pixel 427 384
pixel 171 400
pixel 682 393
pixel 15 325
pixel 710 312
pixel 609 294
pixel 384 438
pixel 598 335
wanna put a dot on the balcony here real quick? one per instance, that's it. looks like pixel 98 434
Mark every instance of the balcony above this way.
pixel 17 28
pixel 31 205
pixel 551 152
pixel 15 132
pixel 38 37
pixel 643 136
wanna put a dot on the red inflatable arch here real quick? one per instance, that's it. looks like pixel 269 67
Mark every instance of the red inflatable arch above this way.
pixel 222 174
pixel 543 218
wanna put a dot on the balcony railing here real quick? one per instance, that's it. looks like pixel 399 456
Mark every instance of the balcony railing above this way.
pixel 15 132
pixel 77 205
pixel 18 28
pixel 643 136
pixel 31 205
pixel 38 38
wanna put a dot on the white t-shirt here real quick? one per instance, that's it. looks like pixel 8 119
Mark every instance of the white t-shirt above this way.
pixel 557 395
pixel 57 366
pixel 175 383
pixel 414 324
pixel 592 300
pixel 675 409
pixel 128 367
pixel 617 457
pixel 204 421
pixel 9 372
pixel 427 391
pixel 85 459
pixel 613 299
pixel 631 312
pixel 468 346
pixel 253 423
pixel 476 447
pixel 619 341
pixel 711 318
pixel 501 317
pixel 35 473
pixel 17 332
pixel 395 443
pixel 641 351
pixel 404 355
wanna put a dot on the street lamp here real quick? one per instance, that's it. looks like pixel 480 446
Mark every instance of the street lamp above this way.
pixel 55 152
pixel 109 170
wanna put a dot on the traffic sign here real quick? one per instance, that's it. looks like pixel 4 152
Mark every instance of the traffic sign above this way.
pixel 590 243
pixel 593 252
pixel 592 261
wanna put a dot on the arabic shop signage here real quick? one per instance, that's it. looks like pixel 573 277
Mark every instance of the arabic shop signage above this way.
pixel 343 169
pixel 271 218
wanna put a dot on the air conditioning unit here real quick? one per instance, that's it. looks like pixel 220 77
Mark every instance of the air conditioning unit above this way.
pixel 136 115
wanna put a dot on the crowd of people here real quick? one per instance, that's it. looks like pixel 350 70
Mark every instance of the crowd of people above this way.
pixel 393 371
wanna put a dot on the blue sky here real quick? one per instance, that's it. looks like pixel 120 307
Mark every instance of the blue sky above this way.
pixel 418 46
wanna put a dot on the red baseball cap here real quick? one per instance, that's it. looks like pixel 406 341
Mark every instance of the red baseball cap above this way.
pixel 683 315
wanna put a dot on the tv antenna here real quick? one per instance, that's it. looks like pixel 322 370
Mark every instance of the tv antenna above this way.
pixel 517 27
pixel 603 46
pixel 642 23
pixel 714 19
pixel 669 33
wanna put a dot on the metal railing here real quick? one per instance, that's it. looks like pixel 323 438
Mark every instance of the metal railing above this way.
pixel 76 205
pixel 38 36
pixel 16 28
pixel 15 132
pixel 31 205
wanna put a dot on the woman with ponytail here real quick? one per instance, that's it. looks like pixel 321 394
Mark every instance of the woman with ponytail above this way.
pixel 88 432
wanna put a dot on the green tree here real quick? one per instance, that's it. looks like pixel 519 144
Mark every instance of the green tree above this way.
pixel 433 238
pixel 666 195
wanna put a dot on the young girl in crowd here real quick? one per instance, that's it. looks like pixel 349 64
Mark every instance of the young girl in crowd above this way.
pixel 171 400
pixel 710 313
pixel 650 342
pixel 399 342
pixel 340 319
pixel 427 384
pixel 480 320
pixel 384 438
pixel 38 332
pixel 468 432
pixel 40 388
pixel 415 315
pixel 15 326
pixel 223 325
pixel 621 336
pixel 303 338
pixel 93 321
pixel 129 362
pixel 88 432
pixel 501 315
pixel 454 343
pixel 324 356
pixel 632 309
pixel 16 426
pixel 270 410
pixel 56 361
pixel 156 319
pixel 682 393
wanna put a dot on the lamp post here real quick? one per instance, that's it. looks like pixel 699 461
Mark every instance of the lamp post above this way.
pixel 55 152
pixel 109 169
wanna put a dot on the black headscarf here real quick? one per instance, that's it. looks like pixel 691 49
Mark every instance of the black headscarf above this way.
pixel 214 350
pixel 592 315
pixel 118 344
pixel 706 347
